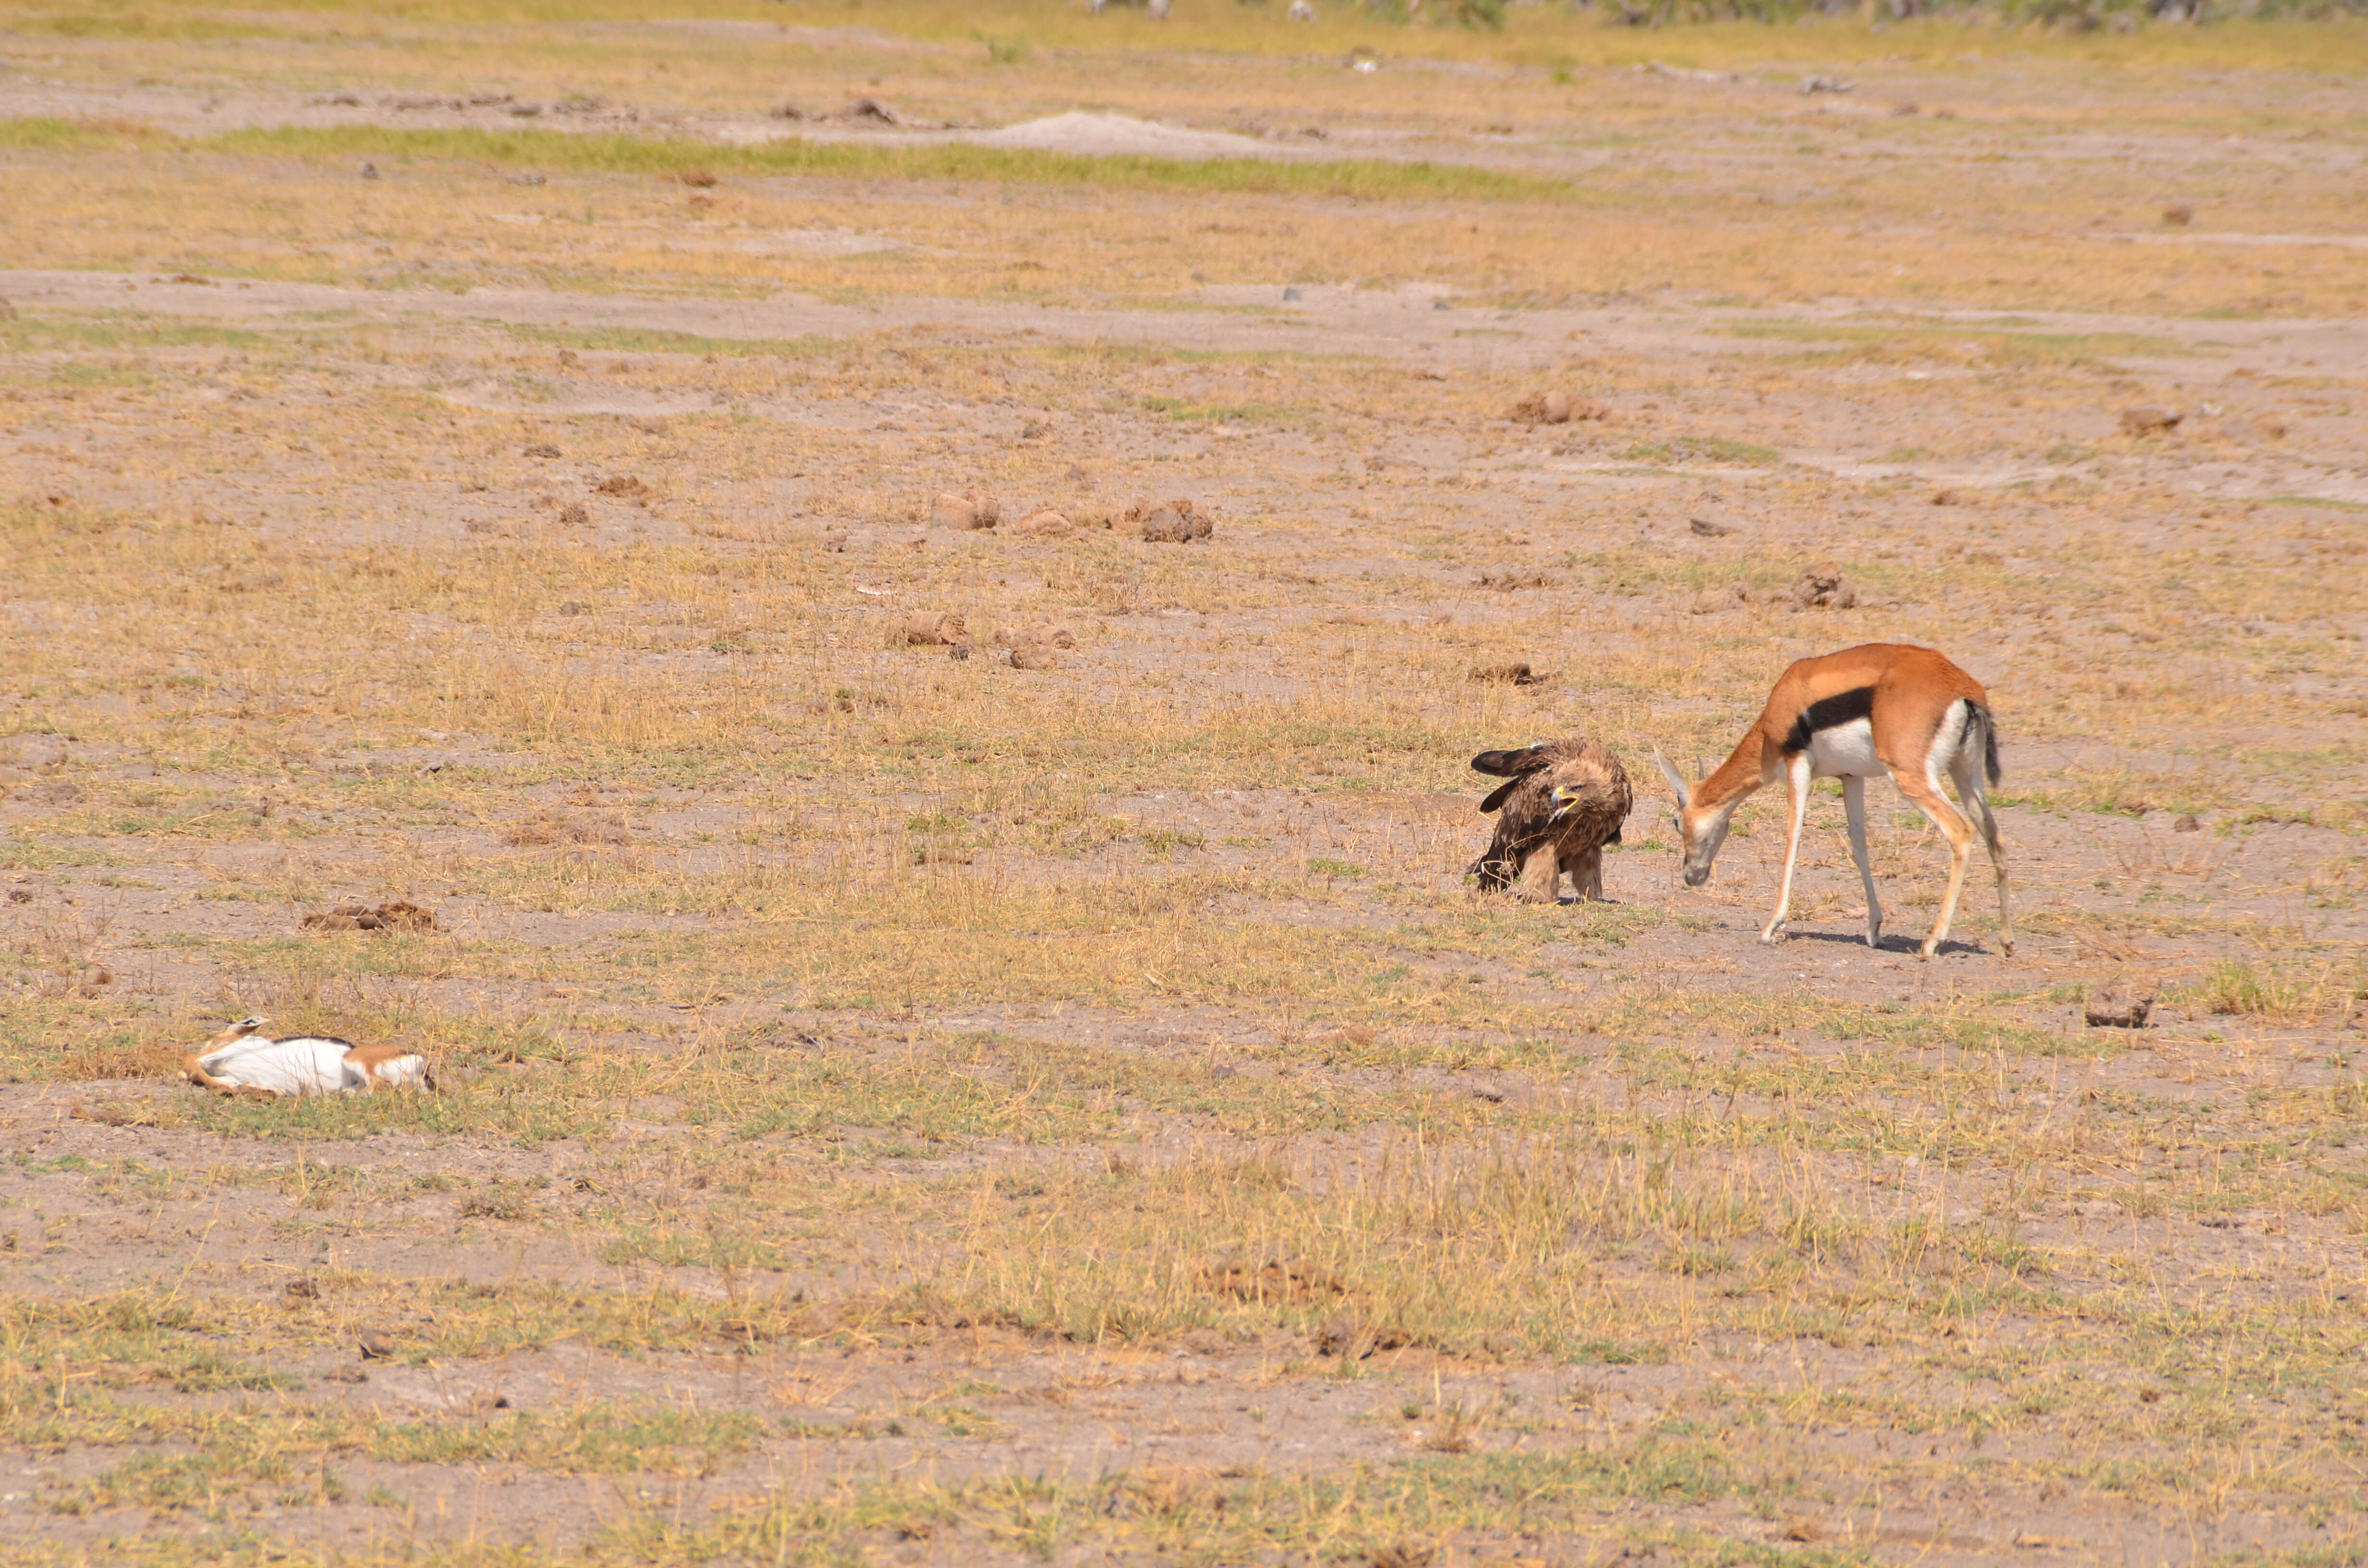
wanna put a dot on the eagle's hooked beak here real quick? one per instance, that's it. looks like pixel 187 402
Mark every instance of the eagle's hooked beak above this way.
pixel 1563 798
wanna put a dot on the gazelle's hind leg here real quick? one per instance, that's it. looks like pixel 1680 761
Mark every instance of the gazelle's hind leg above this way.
pixel 1797 801
pixel 1926 796
pixel 1854 804
pixel 1967 771
pixel 1542 875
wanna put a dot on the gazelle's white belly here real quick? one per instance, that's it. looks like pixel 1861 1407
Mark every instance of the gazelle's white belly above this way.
pixel 1844 751
pixel 304 1065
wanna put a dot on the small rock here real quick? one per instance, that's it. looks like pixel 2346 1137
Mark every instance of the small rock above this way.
pixel 1947 498
pixel 961 650
pixel 1823 588
pixel 2185 822
pixel 1827 84
pixel 934 629
pixel 20 895
pixel 2178 215
pixel 872 109
pixel 574 513
pixel 1046 521
pixel 2119 1005
pixel 2150 421
pixel 1507 675
pixel 1707 529
pixel 542 450
pixel 625 484
pixel 704 179
pixel 368 170
pixel 1032 656
pixel 1291 296
pixel 575 606
pixel 788 111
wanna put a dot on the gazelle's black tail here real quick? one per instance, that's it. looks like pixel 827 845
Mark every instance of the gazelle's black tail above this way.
pixel 1977 717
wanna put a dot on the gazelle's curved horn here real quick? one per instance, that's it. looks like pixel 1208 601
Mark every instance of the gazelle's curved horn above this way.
pixel 1676 780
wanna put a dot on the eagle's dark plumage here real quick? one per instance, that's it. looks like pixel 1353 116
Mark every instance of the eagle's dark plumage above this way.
pixel 1561 802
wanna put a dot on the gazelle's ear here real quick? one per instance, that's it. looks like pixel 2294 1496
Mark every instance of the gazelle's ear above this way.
pixel 1676 780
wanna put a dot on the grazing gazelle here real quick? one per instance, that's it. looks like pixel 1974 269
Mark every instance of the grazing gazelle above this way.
pixel 243 1061
pixel 1881 707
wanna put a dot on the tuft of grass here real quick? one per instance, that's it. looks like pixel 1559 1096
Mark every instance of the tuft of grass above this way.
pixel 1360 179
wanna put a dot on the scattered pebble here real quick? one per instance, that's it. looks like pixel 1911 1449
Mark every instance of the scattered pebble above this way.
pixel 1707 529
pixel 2178 215
pixel 2150 421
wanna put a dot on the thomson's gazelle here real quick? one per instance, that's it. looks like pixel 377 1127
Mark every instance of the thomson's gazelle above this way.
pixel 1877 709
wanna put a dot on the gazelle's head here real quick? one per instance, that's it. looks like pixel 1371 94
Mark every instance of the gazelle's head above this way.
pixel 1701 830
pixel 236 1032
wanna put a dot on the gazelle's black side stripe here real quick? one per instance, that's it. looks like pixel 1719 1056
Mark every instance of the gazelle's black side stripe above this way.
pixel 1829 712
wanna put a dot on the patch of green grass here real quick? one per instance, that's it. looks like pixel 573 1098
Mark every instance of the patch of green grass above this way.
pixel 1352 179
pixel 1984 344
pixel 1703 449
pixel 51 133
pixel 650 340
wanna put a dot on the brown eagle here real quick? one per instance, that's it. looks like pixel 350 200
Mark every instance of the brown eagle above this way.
pixel 1561 802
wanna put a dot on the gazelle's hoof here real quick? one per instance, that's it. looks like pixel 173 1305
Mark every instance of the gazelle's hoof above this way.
pixel 1928 949
pixel 1770 938
pixel 1874 935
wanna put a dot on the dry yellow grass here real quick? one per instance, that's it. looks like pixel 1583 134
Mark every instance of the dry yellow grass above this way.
pixel 898 1107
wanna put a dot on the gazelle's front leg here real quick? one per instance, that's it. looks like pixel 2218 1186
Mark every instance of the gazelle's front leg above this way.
pixel 1796 802
pixel 1854 805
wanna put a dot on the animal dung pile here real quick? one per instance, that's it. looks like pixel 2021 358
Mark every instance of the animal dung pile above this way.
pixel 1170 522
pixel 399 915
pixel 935 629
pixel 1507 675
pixel 974 508
pixel 1823 588
pixel 244 1060
pixel 1035 647
pixel 2150 421
pixel 1046 522
pixel 546 826
pixel 2119 1005
pixel 1710 601
pixel 1556 408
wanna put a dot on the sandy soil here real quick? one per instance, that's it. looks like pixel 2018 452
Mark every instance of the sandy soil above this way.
pixel 421 1286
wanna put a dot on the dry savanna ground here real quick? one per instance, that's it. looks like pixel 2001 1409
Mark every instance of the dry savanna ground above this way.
pixel 902 1108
